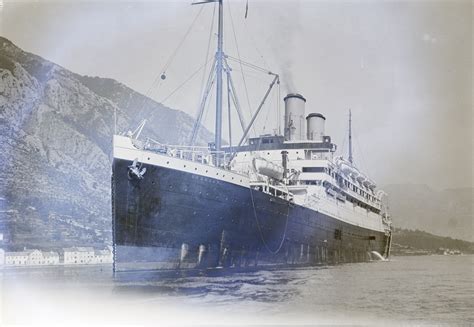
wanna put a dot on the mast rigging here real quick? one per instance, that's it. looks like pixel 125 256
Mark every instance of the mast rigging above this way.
pixel 351 159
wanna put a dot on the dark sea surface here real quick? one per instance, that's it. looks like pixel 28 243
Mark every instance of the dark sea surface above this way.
pixel 421 290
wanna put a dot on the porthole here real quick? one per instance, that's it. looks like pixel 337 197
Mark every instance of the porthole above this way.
pixel 148 158
pixel 184 166
pixel 195 168
pixel 167 162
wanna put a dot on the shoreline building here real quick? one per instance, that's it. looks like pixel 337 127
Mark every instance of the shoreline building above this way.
pixel 33 257
pixel 79 255
pixel 103 256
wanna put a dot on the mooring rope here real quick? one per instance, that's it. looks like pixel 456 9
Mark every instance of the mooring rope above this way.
pixel 260 229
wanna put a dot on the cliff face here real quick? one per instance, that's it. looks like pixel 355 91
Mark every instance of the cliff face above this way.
pixel 56 131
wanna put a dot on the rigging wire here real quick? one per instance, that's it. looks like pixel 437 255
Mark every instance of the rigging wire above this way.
pixel 208 50
pixel 278 108
pixel 365 167
pixel 183 83
pixel 248 64
pixel 238 54
pixel 204 74
pixel 268 114
pixel 253 75
pixel 157 82
pixel 250 34
pixel 173 55
pixel 344 142
pixel 203 105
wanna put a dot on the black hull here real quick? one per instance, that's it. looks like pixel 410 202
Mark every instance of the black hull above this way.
pixel 174 219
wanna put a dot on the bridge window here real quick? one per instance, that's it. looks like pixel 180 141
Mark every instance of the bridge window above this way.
pixel 315 182
pixel 313 169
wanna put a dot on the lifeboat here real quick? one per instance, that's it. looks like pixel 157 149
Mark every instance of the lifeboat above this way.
pixel 267 168
pixel 354 174
pixel 361 178
pixel 346 167
pixel 369 184
pixel 331 192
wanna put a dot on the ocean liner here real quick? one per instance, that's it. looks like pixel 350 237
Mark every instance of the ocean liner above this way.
pixel 268 200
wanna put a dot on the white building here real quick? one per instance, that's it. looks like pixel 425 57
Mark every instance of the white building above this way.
pixel 51 258
pixel 31 258
pixel 79 255
pixel 103 256
pixel 17 258
pixel 35 257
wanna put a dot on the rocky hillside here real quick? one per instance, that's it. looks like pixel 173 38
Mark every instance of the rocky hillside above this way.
pixel 448 212
pixel 56 130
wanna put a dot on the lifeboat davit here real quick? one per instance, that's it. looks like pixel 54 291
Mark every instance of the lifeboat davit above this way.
pixel 267 168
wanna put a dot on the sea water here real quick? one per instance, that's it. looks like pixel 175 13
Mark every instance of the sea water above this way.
pixel 432 290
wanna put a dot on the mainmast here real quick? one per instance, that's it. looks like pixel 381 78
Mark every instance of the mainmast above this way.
pixel 350 137
pixel 219 61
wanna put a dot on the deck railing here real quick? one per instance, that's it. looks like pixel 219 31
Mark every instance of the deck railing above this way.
pixel 200 154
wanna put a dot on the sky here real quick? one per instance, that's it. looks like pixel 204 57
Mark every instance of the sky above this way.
pixel 403 68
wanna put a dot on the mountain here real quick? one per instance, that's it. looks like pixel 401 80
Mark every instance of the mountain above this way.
pixel 56 131
pixel 447 212
pixel 418 242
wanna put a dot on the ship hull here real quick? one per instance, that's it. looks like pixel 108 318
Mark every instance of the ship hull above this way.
pixel 174 219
